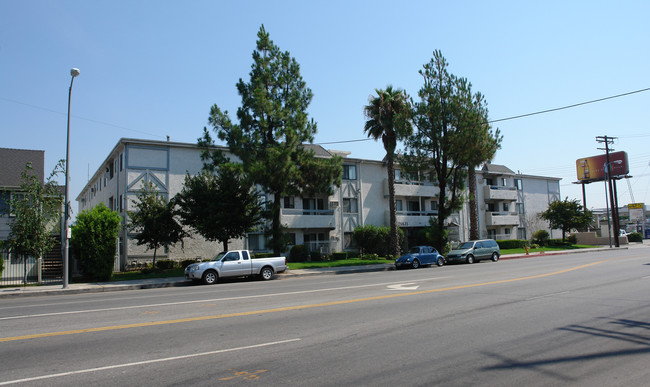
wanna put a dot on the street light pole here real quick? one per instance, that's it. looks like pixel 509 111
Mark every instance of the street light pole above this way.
pixel 66 212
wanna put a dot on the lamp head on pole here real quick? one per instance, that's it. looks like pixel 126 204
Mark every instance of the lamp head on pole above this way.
pixel 74 72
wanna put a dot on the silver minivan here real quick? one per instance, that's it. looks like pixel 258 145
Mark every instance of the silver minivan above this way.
pixel 475 251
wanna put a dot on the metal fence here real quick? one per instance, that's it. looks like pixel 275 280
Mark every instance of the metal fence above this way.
pixel 19 271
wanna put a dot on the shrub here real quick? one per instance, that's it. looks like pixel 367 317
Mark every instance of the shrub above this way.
pixel 186 262
pixel 165 264
pixel 573 239
pixel 298 253
pixel 557 243
pixel 370 256
pixel 512 243
pixel 634 237
pixel 340 255
pixel 93 240
pixel 541 237
pixel 263 255
pixel 353 254
pixel 375 240
pixel 315 255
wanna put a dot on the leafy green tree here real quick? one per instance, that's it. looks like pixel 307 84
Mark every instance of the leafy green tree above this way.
pixel 387 117
pixel 273 128
pixel 219 206
pixel 567 215
pixel 450 120
pixel 35 208
pixel 153 221
pixel 94 241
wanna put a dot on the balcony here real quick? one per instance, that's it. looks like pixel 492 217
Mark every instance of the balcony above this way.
pixel 307 218
pixel 411 218
pixel 501 219
pixel 413 188
pixel 492 192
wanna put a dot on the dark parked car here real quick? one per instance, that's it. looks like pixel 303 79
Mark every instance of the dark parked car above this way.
pixel 474 251
pixel 420 256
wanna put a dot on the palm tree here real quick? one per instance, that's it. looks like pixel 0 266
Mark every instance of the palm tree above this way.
pixel 388 117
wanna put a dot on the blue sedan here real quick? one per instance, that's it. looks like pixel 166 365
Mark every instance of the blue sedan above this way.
pixel 420 256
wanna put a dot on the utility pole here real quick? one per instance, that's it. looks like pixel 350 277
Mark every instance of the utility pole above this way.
pixel 608 168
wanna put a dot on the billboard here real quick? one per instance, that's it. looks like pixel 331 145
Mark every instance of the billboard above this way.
pixel 592 169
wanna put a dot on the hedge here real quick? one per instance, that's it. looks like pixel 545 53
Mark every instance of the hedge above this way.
pixel 512 243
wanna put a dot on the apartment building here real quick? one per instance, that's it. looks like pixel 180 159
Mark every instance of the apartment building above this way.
pixel 323 222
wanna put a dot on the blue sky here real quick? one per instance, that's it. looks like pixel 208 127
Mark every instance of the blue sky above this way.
pixel 153 68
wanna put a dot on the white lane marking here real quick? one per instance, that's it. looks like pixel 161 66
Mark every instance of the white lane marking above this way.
pixel 546 295
pixel 403 286
pixel 206 300
pixel 32 379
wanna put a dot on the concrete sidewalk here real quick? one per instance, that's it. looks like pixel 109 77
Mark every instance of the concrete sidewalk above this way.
pixel 97 287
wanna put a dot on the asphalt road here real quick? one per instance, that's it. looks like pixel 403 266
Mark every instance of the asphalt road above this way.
pixel 579 319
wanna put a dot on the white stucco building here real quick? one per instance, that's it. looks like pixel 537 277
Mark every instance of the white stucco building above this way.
pixel 323 223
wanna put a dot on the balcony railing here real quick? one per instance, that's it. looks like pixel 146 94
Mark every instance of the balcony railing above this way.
pixel 492 192
pixel 307 218
pixel 412 218
pixel 501 219
pixel 413 188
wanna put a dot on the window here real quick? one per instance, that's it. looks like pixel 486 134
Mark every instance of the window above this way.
pixel 289 202
pixel 5 197
pixel 348 241
pixel 519 184
pixel 350 206
pixel 521 233
pixel 244 255
pixel 489 182
pixel 520 208
pixel 492 234
pixel 121 203
pixel 111 204
pixel 398 175
pixel 504 182
pixel 255 242
pixel 121 161
pixel 110 170
pixel 413 206
pixel 506 230
pixel 315 205
pixel 491 207
pixel 434 205
pixel 349 172
pixel 506 207
pixel 398 205
pixel 231 256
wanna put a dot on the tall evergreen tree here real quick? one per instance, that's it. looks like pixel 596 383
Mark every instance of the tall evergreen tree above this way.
pixel 445 142
pixel 273 126
pixel 478 141
pixel 388 117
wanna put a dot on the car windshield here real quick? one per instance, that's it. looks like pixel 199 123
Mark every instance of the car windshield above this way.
pixel 466 245
pixel 218 256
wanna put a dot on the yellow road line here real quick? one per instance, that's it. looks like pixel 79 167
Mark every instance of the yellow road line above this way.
pixel 288 308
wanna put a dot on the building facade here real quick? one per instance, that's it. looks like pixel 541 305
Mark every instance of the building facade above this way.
pixel 323 222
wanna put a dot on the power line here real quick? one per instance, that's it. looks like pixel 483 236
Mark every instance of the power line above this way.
pixel 570 106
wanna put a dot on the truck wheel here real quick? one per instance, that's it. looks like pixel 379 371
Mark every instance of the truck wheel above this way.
pixel 266 273
pixel 210 277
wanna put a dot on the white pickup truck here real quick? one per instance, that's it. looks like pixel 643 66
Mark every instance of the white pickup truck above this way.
pixel 234 263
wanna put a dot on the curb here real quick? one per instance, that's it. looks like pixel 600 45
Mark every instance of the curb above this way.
pixel 32 291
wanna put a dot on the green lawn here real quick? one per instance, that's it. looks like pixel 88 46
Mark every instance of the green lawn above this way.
pixel 540 249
